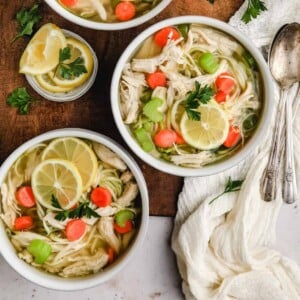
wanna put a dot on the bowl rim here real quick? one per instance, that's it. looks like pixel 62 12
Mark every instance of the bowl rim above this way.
pixel 107 26
pixel 52 281
pixel 252 143
pixel 77 92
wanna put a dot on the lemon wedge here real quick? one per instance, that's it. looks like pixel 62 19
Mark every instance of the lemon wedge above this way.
pixel 79 153
pixel 47 84
pixel 59 178
pixel 208 133
pixel 78 49
pixel 42 52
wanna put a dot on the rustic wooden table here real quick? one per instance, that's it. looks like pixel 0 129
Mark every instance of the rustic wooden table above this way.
pixel 92 111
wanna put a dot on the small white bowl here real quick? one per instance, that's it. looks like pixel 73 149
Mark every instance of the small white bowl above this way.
pixel 75 93
pixel 107 26
pixel 219 166
pixel 48 280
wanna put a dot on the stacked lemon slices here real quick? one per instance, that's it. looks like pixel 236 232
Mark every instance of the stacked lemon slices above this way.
pixel 68 169
pixel 41 59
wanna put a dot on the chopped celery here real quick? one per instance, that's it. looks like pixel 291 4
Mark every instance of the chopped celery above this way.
pixel 184 29
pixel 144 139
pixel 40 250
pixel 208 62
pixel 123 216
pixel 151 109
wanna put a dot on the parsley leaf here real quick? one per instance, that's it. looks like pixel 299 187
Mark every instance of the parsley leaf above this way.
pixel 21 99
pixel 255 7
pixel 54 202
pixel 195 98
pixel 72 69
pixel 82 210
pixel 27 19
pixel 231 186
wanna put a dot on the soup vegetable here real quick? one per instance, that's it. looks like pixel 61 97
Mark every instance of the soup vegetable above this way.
pixel 191 95
pixel 109 10
pixel 70 206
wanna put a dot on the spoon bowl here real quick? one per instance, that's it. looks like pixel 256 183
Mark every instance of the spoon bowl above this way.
pixel 284 59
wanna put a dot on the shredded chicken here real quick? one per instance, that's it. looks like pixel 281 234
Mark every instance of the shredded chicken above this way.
pixel 109 156
pixel 193 160
pixel 86 265
pixel 129 194
pixel 106 229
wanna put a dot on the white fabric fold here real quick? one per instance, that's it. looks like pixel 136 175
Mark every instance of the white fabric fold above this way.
pixel 224 249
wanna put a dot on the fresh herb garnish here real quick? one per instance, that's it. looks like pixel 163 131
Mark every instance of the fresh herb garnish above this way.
pixel 231 186
pixel 195 98
pixel 255 7
pixel 21 99
pixel 82 210
pixel 72 69
pixel 54 202
pixel 27 19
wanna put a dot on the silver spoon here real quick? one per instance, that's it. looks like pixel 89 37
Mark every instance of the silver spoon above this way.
pixel 284 62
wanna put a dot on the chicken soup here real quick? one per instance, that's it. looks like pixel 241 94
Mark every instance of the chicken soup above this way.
pixel 71 206
pixel 191 95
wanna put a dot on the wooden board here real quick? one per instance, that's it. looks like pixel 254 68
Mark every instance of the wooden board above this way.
pixel 92 111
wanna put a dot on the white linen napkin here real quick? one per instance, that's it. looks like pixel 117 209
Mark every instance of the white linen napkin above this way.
pixel 224 249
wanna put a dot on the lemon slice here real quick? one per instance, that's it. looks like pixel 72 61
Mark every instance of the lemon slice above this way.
pixel 59 178
pixel 42 53
pixel 78 49
pixel 47 84
pixel 208 133
pixel 77 152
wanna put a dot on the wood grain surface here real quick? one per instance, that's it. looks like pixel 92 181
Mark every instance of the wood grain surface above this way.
pixel 92 111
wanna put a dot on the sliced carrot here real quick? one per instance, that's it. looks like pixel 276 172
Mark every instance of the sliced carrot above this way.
pixel 111 254
pixel 161 37
pixel 156 79
pixel 23 223
pixel 127 228
pixel 125 11
pixel 220 96
pixel 69 3
pixel 225 83
pixel 101 196
pixel 165 138
pixel 75 229
pixel 25 196
pixel 179 139
pixel 233 136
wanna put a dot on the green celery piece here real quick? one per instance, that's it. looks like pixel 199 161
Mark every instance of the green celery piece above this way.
pixel 150 110
pixel 184 30
pixel 144 139
pixel 123 216
pixel 208 62
pixel 40 250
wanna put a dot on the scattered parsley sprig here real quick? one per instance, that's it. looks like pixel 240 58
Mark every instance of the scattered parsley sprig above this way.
pixel 231 186
pixel 21 99
pixel 27 19
pixel 72 69
pixel 254 8
pixel 195 98
pixel 82 210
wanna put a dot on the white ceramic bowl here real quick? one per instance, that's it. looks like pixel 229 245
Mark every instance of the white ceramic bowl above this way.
pixel 217 167
pixel 107 26
pixel 55 282
pixel 75 93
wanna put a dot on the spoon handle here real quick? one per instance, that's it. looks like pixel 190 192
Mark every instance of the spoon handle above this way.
pixel 270 177
pixel 289 191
